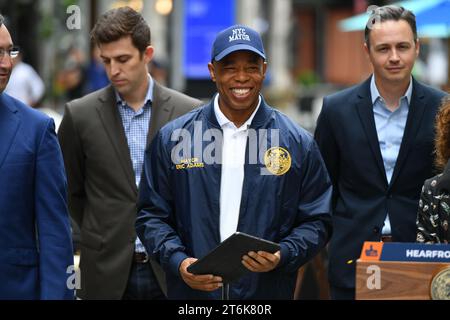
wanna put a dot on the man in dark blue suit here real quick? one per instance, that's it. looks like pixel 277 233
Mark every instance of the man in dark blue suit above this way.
pixel 377 141
pixel 35 241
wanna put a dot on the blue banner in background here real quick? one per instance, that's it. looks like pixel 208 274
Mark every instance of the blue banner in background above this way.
pixel 203 19
pixel 415 252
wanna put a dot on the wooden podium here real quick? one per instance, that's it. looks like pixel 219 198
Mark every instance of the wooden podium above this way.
pixel 402 271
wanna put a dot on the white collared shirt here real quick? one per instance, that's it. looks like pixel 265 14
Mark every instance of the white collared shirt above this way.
pixel 232 177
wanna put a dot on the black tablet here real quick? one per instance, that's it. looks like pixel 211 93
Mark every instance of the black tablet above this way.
pixel 225 259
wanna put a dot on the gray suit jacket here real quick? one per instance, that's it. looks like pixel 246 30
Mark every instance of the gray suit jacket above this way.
pixel 102 188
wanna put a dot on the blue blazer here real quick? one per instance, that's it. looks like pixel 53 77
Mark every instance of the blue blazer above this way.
pixel 35 237
pixel 347 137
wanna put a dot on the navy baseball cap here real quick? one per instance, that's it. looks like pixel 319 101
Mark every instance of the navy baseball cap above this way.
pixel 235 38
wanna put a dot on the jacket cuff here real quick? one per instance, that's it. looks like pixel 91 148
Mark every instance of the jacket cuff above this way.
pixel 175 260
pixel 285 255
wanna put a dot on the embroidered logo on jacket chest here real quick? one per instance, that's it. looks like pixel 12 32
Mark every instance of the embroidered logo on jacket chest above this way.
pixel 277 161
pixel 189 164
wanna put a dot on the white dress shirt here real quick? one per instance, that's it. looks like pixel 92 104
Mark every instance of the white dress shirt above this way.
pixel 232 177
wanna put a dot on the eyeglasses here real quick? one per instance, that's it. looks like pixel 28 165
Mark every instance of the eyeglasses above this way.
pixel 12 53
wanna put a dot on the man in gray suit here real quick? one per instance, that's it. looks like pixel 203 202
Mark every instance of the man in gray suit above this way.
pixel 103 137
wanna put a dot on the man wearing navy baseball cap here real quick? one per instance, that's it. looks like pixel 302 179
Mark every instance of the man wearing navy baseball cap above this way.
pixel 236 38
pixel 258 173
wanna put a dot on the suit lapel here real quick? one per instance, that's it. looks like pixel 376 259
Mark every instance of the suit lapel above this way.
pixel 114 128
pixel 415 115
pixel 9 124
pixel 365 112
pixel 161 110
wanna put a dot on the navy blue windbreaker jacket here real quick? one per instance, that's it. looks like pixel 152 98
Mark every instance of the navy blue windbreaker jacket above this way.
pixel 179 210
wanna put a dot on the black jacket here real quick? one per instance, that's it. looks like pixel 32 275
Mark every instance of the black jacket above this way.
pixel 347 137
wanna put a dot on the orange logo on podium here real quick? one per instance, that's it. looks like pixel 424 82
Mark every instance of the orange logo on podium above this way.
pixel 371 251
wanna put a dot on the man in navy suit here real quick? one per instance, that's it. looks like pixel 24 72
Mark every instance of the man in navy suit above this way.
pixel 377 141
pixel 35 241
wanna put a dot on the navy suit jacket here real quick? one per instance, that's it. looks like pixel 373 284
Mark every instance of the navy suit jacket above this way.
pixel 35 238
pixel 347 137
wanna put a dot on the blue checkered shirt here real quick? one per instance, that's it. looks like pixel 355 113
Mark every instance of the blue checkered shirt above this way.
pixel 135 125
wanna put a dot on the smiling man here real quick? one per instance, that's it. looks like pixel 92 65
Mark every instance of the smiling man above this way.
pixel 103 138
pixel 281 194
pixel 377 142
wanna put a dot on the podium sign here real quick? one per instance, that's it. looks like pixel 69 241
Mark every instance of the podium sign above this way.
pixel 403 271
